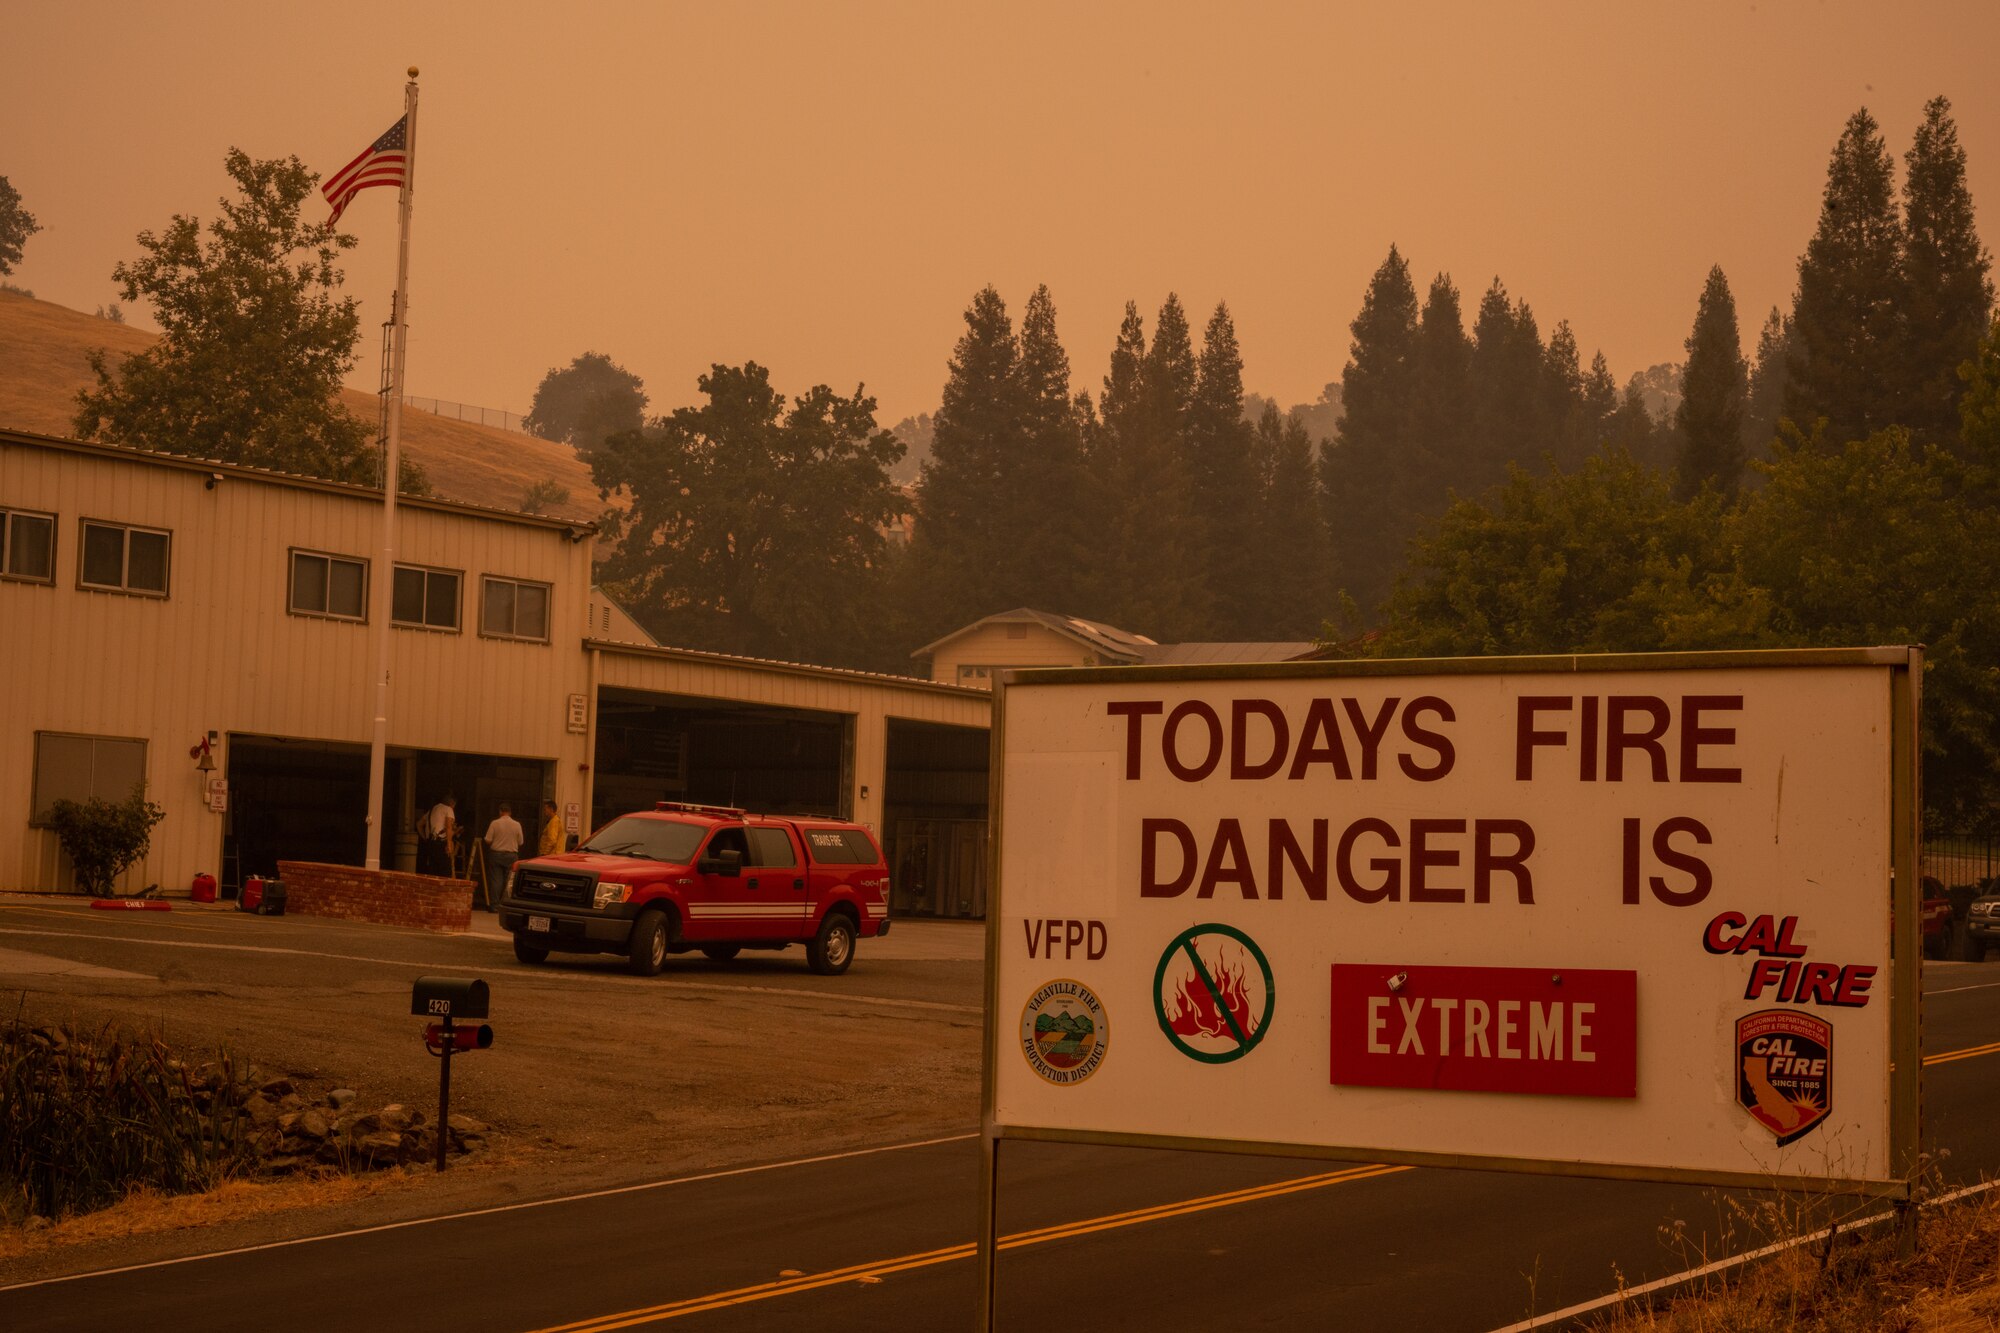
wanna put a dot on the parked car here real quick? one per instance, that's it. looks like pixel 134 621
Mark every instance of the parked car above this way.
pixel 1982 924
pixel 1939 926
pixel 682 877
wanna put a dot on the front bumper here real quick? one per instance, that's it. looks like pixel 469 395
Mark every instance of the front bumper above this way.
pixel 568 929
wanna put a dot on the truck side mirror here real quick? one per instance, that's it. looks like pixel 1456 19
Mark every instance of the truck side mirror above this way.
pixel 726 862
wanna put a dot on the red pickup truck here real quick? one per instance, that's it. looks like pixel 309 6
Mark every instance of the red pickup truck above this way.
pixel 682 877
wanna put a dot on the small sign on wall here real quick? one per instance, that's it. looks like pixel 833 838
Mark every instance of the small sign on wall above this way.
pixel 217 793
pixel 579 714
pixel 573 818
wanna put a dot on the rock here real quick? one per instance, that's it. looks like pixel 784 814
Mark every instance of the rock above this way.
pixel 275 1165
pixel 362 1125
pixel 261 1110
pixel 291 1101
pixel 288 1122
pixel 276 1088
pixel 383 1143
pixel 36 1222
pixel 466 1125
pixel 394 1116
pixel 340 1097
pixel 312 1125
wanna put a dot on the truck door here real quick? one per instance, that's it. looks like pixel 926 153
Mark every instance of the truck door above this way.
pixel 778 874
pixel 723 906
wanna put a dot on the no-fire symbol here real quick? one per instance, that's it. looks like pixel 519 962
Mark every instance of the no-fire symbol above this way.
pixel 1213 993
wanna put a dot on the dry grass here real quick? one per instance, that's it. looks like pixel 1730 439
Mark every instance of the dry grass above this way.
pixel 42 368
pixel 1851 1284
pixel 146 1212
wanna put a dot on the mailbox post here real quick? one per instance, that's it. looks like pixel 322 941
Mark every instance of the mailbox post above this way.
pixel 449 999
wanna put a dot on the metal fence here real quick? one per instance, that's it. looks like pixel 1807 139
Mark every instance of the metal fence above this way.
pixel 1955 859
pixel 497 417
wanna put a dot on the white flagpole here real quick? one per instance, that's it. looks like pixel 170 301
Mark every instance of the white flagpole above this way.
pixel 385 572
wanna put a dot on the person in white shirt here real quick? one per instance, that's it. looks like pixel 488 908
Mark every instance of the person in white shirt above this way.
pixel 437 835
pixel 503 848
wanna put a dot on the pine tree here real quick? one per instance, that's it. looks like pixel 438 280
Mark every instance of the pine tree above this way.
pixel 957 538
pixel 1600 404
pixel 1714 390
pixel 1567 441
pixel 1165 585
pixel 1846 356
pixel 1509 425
pixel 1225 489
pixel 1765 407
pixel 1046 528
pixel 1444 388
pixel 1373 482
pixel 1290 592
pixel 1949 295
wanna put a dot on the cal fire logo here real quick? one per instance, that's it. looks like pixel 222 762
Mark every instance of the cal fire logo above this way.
pixel 1065 1032
pixel 1213 994
pixel 1785 1070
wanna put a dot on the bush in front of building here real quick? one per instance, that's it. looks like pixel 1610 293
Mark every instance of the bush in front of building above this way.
pixel 102 837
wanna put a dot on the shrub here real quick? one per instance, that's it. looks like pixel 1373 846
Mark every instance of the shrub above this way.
pixel 103 837
pixel 82 1123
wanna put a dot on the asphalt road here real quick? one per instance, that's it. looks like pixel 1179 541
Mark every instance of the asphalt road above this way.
pixel 1100 1239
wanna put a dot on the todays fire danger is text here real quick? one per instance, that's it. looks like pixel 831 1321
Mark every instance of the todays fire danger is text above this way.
pixel 1415 911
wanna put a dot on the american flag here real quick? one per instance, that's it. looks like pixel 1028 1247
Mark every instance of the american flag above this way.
pixel 384 162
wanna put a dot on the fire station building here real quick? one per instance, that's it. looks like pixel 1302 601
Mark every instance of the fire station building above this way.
pixel 203 629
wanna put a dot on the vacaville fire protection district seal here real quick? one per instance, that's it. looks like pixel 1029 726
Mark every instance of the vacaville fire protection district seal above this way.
pixel 1065 1031
pixel 1785 1071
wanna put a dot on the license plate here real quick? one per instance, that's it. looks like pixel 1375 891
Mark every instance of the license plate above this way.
pixel 540 923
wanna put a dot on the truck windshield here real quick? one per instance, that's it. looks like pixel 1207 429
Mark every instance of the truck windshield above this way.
pixel 652 839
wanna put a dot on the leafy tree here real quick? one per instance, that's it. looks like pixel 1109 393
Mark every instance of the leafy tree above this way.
pixel 915 433
pixel 541 495
pixel 1600 560
pixel 1979 419
pixel 17 224
pixel 1847 361
pixel 1949 293
pixel 1714 386
pixel 255 339
pixel 1866 543
pixel 587 402
pixel 754 527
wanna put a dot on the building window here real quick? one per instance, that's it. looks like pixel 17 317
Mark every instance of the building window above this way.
pixel 329 585
pixel 425 598
pixel 27 546
pixel 975 675
pixel 511 609
pixel 117 558
pixel 80 768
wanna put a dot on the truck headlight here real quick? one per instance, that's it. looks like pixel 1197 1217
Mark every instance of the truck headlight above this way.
pixel 609 893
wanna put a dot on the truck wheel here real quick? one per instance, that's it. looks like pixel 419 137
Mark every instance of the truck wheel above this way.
pixel 833 948
pixel 647 953
pixel 529 953
pixel 1968 947
pixel 720 953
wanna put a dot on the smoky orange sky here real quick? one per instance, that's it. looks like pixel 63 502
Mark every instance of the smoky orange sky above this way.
pixel 822 187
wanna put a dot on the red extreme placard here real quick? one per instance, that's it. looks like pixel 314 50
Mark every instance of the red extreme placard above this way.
pixel 1487 1029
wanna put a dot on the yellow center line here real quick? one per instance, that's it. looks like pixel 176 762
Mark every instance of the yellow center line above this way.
pixel 1946 1057
pixel 904 1263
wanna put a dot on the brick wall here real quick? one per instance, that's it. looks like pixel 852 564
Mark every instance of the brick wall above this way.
pixel 385 897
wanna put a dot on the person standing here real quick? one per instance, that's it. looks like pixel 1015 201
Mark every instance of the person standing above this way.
pixel 552 833
pixel 503 848
pixel 437 837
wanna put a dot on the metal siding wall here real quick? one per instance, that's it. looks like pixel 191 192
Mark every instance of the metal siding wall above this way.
pixel 222 653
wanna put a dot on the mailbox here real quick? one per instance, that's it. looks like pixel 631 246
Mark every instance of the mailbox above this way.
pixel 448 997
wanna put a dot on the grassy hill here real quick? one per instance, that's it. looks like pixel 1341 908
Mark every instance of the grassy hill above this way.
pixel 42 366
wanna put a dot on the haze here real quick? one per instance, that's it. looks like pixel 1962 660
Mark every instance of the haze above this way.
pixel 822 188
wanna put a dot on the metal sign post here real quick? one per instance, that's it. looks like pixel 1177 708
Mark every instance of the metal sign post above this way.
pixel 1637 917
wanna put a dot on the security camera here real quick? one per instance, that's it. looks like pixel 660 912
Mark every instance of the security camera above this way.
pixel 214 480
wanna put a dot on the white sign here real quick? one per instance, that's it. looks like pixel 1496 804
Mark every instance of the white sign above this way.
pixel 579 714
pixel 573 817
pixel 1615 921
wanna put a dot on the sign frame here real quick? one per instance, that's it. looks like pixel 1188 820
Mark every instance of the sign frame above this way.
pixel 1904 671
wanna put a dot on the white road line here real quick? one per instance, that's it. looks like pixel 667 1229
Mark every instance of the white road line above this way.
pixel 670 985
pixel 504 1208
pixel 1620 1297
pixel 1953 990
